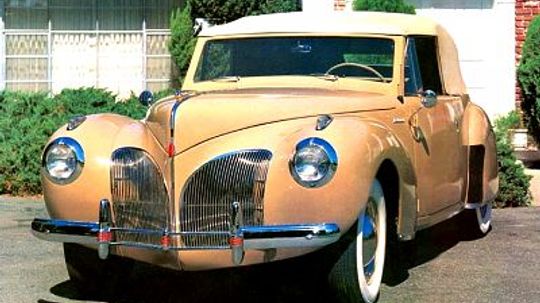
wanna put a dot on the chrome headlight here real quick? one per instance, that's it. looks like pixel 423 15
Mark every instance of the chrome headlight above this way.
pixel 314 162
pixel 63 160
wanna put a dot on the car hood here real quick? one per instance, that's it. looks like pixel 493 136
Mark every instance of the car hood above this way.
pixel 212 114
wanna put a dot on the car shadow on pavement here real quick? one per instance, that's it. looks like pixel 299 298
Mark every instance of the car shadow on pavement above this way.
pixel 295 280
pixel 287 281
pixel 429 244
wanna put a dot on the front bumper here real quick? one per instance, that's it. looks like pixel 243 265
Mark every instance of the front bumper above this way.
pixel 241 238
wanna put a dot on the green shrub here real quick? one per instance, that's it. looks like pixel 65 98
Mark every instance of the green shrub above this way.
pixel 513 182
pixel 392 6
pixel 27 120
pixel 512 120
pixel 279 6
pixel 182 42
pixel 529 79
pixel 223 11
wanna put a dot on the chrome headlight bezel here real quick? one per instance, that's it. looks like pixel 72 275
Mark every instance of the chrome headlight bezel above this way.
pixel 75 159
pixel 328 161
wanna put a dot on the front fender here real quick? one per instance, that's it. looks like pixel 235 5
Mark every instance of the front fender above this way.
pixel 99 136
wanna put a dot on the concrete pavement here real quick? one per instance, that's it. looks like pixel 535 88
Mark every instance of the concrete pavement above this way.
pixel 445 266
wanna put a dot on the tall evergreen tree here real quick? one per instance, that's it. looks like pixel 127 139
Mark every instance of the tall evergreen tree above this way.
pixel 529 79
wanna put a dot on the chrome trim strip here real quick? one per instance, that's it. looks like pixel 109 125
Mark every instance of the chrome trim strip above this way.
pixel 180 98
pixel 476 204
pixel 254 237
pixel 398 120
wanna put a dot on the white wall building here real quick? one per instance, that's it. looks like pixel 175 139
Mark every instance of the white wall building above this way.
pixel 484 32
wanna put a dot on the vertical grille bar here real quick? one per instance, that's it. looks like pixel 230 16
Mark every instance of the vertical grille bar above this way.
pixel 210 191
pixel 139 195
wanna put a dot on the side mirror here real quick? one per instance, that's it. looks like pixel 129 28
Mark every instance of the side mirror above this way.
pixel 146 98
pixel 429 99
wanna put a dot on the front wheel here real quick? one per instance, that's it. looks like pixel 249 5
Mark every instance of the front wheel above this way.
pixel 357 274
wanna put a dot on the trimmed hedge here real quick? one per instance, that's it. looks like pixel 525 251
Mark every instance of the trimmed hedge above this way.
pixel 529 79
pixel 513 182
pixel 27 120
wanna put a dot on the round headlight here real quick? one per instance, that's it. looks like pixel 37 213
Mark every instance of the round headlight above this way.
pixel 314 162
pixel 63 160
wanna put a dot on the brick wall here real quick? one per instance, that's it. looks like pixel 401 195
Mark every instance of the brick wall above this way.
pixel 340 5
pixel 525 12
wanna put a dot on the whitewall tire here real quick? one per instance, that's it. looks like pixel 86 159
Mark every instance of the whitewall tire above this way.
pixel 371 244
pixel 358 272
pixel 483 217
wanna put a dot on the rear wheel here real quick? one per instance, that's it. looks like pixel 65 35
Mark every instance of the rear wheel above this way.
pixel 357 274
pixel 90 273
pixel 478 220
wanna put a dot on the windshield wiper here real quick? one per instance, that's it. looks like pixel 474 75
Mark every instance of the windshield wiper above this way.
pixel 327 77
pixel 227 79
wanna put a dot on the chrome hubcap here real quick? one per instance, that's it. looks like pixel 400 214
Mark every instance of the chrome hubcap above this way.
pixel 483 211
pixel 369 239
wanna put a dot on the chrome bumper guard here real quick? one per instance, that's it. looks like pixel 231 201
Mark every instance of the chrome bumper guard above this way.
pixel 241 238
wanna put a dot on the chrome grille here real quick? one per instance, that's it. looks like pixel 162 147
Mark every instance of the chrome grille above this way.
pixel 139 196
pixel 210 191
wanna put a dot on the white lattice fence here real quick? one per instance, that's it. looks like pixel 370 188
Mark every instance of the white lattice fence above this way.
pixel 122 61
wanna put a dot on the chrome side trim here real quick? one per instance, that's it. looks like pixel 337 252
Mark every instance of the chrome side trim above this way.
pixel 472 205
pixel 476 204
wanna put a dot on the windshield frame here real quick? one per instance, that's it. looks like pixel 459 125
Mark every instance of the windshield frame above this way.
pixel 348 83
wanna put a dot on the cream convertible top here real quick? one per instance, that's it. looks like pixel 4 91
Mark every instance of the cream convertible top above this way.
pixel 352 23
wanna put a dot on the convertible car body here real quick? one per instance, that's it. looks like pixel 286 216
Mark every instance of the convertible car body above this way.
pixel 288 134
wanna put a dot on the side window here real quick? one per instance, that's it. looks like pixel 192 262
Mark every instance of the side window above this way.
pixel 413 78
pixel 423 64
pixel 428 58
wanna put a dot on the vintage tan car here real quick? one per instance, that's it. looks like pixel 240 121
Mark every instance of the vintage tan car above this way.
pixel 289 133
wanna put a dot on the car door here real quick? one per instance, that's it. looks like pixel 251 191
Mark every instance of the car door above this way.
pixel 439 155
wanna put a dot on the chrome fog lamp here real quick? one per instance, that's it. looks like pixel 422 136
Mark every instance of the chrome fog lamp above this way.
pixel 314 162
pixel 63 160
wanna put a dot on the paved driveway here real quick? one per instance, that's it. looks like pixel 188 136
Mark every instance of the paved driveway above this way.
pixel 446 266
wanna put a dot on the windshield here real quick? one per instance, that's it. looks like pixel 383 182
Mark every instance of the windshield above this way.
pixel 231 59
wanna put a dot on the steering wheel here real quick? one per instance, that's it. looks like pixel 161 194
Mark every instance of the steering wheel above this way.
pixel 358 65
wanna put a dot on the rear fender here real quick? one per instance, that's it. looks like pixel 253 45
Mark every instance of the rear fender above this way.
pixel 479 137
